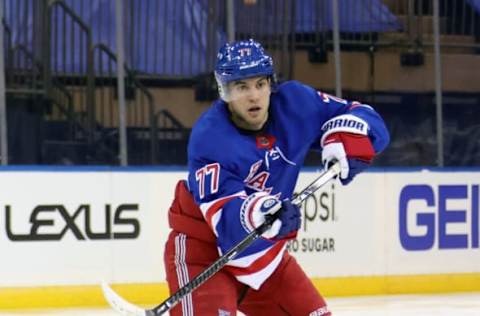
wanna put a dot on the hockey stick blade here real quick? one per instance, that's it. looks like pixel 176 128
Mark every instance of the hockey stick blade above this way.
pixel 126 308
pixel 120 305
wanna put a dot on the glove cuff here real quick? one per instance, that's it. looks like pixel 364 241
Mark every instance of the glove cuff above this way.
pixel 356 146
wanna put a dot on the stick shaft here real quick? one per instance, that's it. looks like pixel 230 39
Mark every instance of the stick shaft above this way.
pixel 170 302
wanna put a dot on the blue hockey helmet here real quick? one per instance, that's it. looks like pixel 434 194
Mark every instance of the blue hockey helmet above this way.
pixel 241 60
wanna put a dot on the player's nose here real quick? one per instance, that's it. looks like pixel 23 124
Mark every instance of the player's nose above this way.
pixel 254 94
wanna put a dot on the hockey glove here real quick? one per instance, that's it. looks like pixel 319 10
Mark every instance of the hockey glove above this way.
pixel 353 152
pixel 345 140
pixel 259 205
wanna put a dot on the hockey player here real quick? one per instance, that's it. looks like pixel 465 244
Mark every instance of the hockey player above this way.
pixel 244 156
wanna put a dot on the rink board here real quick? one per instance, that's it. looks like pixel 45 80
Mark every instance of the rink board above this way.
pixel 62 231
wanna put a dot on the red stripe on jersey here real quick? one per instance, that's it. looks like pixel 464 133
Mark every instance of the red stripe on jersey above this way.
pixel 259 264
pixel 353 105
pixel 212 210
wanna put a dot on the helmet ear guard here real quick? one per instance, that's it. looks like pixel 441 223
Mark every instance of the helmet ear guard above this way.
pixel 222 88
pixel 241 60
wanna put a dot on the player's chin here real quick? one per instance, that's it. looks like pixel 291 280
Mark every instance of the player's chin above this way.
pixel 256 121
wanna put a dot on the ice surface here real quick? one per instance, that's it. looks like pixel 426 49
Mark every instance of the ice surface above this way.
pixel 466 304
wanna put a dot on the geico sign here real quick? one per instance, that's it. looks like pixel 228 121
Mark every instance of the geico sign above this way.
pixel 55 217
pixel 433 219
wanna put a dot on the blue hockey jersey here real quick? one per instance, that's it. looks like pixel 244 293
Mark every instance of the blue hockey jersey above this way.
pixel 226 164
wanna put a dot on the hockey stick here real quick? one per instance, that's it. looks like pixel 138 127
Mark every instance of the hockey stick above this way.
pixel 125 308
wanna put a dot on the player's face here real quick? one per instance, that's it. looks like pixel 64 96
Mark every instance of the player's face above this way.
pixel 249 102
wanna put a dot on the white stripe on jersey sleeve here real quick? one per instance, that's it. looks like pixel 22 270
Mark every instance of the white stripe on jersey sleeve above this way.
pixel 204 207
pixel 215 220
